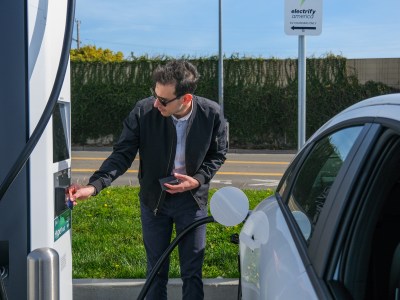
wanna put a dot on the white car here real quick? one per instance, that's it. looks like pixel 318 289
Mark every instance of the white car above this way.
pixel 332 229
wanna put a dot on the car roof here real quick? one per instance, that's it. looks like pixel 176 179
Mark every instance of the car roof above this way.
pixel 385 106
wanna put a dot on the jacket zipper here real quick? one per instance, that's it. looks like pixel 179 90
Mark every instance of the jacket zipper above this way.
pixel 155 211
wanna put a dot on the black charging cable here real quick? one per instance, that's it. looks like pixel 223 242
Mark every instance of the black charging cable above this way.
pixel 168 251
pixel 51 103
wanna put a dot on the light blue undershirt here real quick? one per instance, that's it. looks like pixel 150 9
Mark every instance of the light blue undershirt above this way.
pixel 181 127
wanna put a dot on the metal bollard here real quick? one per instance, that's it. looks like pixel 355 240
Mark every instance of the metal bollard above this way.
pixel 43 274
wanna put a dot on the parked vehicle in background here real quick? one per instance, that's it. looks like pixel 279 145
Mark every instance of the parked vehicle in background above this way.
pixel 332 229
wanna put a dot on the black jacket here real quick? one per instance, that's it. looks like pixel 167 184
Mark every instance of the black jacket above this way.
pixel 146 130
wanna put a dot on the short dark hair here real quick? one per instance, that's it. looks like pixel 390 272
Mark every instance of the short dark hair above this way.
pixel 179 72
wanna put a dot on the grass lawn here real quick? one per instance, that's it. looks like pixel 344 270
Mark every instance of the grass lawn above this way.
pixel 107 240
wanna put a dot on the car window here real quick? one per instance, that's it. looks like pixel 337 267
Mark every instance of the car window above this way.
pixel 316 176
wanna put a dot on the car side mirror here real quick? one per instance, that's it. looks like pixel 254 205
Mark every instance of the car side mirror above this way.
pixel 229 206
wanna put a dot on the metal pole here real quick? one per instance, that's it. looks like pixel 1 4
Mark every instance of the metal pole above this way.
pixel 220 62
pixel 78 35
pixel 43 274
pixel 221 71
pixel 302 92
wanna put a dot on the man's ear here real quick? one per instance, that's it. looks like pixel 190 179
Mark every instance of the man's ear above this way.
pixel 187 98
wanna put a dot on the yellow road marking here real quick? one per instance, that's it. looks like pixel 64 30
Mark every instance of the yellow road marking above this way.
pixel 227 161
pixel 257 162
pixel 251 173
pixel 88 158
pixel 218 173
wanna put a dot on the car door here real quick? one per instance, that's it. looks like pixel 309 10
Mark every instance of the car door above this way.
pixel 275 238
pixel 356 250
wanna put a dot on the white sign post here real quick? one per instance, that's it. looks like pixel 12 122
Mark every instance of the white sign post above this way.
pixel 302 17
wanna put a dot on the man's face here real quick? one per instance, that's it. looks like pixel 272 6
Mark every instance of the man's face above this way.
pixel 173 105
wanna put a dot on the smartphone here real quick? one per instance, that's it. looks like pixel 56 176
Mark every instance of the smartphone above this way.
pixel 170 180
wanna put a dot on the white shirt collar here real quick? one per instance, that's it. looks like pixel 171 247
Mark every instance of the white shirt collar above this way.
pixel 185 118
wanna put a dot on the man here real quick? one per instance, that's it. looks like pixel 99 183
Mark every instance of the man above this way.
pixel 179 134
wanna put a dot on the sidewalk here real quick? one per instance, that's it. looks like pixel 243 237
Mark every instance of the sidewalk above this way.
pixel 121 289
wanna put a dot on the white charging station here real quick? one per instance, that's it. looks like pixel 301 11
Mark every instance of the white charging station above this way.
pixel 33 211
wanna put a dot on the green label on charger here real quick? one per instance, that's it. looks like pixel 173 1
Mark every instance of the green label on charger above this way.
pixel 62 224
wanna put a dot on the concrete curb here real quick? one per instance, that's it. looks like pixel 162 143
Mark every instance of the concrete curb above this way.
pixel 121 289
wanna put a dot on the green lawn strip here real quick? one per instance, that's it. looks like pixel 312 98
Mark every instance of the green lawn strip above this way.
pixel 107 240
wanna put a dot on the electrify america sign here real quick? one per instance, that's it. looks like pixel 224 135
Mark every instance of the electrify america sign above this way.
pixel 303 17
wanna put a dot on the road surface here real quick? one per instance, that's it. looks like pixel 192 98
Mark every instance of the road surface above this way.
pixel 243 170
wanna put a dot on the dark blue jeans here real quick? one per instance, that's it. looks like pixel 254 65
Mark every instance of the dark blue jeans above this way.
pixel 182 210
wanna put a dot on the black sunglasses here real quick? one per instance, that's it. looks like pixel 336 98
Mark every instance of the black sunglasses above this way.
pixel 162 100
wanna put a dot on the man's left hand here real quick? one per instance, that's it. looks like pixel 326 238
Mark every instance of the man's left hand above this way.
pixel 186 183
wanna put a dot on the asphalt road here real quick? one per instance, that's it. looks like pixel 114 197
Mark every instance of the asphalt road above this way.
pixel 253 170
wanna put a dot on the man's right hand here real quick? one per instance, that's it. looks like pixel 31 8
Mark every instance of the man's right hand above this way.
pixel 78 192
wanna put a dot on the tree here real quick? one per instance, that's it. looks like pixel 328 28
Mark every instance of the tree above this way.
pixel 91 53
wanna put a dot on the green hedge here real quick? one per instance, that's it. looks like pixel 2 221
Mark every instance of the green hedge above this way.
pixel 260 96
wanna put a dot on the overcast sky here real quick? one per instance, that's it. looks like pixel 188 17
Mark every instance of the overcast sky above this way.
pixel 253 28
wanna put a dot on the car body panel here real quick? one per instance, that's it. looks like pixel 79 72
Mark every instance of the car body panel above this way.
pixel 270 263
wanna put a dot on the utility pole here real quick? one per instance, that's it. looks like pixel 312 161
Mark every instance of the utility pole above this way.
pixel 221 69
pixel 220 60
pixel 78 39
